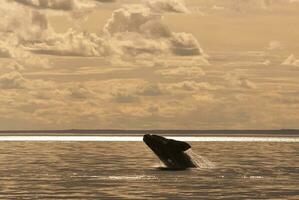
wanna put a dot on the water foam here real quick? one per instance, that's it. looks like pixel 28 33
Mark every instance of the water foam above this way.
pixel 200 161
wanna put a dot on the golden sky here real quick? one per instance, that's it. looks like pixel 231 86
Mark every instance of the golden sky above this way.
pixel 150 64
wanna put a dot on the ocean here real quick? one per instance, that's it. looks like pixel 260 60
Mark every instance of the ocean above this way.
pixel 125 168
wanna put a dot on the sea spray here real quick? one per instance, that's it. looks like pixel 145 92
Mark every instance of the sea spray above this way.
pixel 159 164
pixel 200 161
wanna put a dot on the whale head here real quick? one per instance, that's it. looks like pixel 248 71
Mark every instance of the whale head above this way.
pixel 170 152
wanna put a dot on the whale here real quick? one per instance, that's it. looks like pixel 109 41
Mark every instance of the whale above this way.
pixel 171 152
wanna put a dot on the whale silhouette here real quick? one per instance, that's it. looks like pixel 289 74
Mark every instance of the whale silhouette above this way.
pixel 170 152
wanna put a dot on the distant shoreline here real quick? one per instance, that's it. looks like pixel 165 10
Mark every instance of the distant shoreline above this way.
pixel 282 132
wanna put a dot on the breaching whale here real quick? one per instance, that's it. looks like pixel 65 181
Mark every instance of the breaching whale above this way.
pixel 170 152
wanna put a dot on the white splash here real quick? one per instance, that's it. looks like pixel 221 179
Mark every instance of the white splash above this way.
pixel 200 161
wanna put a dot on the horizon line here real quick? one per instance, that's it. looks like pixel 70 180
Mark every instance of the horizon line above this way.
pixel 86 129
pixel 139 139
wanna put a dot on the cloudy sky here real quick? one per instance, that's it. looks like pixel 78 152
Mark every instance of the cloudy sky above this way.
pixel 151 64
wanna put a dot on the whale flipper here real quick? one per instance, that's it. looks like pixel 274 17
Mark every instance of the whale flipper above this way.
pixel 178 146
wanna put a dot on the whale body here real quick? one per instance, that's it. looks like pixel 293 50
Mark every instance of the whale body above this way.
pixel 170 152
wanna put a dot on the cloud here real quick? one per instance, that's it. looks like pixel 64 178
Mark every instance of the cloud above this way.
pixel 130 91
pixel 22 35
pixel 182 71
pixel 79 92
pixel 6 51
pixel 10 50
pixel 125 97
pixel 11 66
pixel 239 81
pixel 16 31
pixel 33 27
pixel 106 1
pixel 63 5
pixel 51 4
pixel 167 5
pixel 192 86
pixel 136 30
pixel 136 19
pixel 133 31
pixel 132 103
pixel 12 80
pixel 150 89
pixel 19 35
pixel 185 44
pixel 128 33
pixel 241 5
pixel 73 43
pixel 134 112
pixel 47 102
pixel 246 6
pixel 204 98
pixel 291 60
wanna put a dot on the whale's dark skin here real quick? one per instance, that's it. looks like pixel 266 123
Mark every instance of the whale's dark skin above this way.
pixel 170 152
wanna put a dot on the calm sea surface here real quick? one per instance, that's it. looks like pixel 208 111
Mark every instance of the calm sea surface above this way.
pixel 129 170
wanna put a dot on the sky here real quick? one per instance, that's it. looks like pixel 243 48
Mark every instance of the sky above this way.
pixel 149 64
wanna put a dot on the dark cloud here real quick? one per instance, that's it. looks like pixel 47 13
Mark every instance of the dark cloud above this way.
pixel 124 97
pixel 150 90
pixel 79 92
pixel 49 4
pixel 12 80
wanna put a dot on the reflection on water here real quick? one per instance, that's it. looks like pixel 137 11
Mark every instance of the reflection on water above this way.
pixel 127 170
